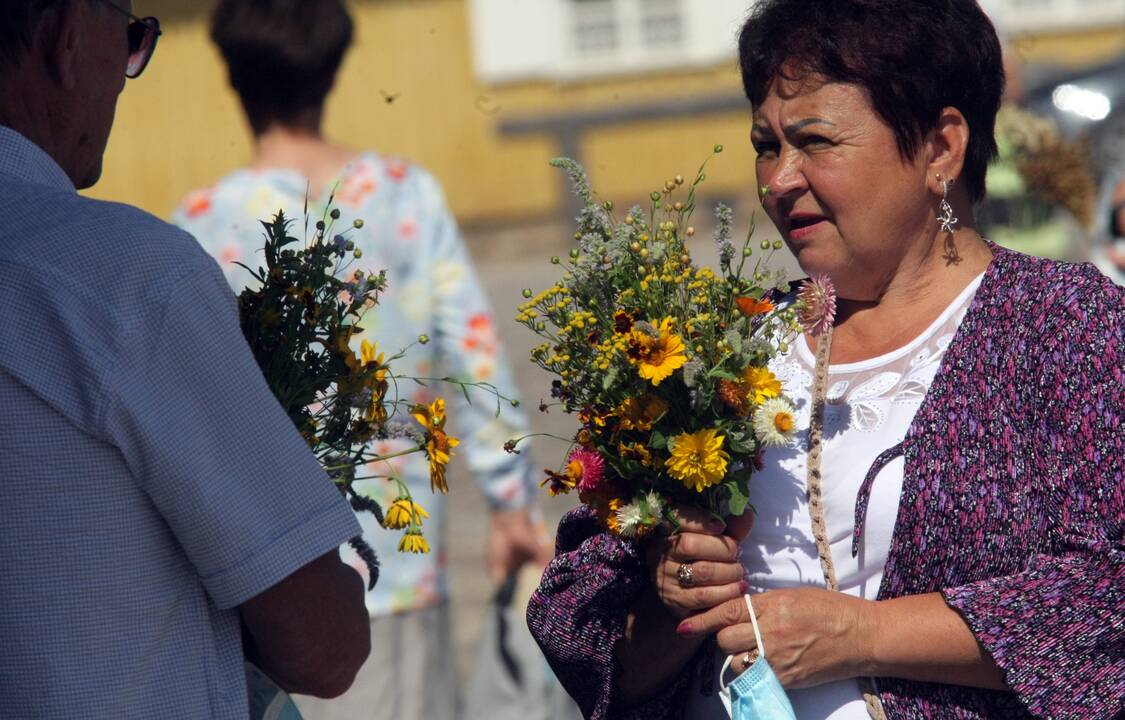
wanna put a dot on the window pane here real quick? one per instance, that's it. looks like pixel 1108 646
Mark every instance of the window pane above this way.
pixel 594 26
pixel 662 23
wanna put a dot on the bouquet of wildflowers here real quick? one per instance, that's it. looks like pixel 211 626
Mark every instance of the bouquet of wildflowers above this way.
pixel 300 322
pixel 664 361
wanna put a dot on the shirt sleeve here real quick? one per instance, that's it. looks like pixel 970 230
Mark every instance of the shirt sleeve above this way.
pixel 578 616
pixel 1057 628
pixel 206 440
pixel 469 349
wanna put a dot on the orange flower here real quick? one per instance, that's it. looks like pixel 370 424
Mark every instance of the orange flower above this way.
pixel 750 307
pixel 609 515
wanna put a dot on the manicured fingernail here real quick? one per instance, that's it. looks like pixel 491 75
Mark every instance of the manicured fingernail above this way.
pixel 744 587
pixel 716 525
pixel 684 628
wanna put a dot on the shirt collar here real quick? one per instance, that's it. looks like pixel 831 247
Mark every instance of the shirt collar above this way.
pixel 24 160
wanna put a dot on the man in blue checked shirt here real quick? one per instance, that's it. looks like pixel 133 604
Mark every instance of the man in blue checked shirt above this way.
pixel 163 520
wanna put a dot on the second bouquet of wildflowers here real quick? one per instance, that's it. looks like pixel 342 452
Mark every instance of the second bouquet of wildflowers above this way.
pixel 300 320
pixel 664 362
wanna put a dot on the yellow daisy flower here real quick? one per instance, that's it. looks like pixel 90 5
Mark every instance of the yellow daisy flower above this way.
pixel 640 413
pixel 698 459
pixel 342 346
pixel 657 357
pixel 413 542
pixel 404 512
pixel 368 352
pixel 439 446
pixel 377 381
pixel 760 384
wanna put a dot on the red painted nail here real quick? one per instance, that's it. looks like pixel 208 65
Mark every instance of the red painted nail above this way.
pixel 744 587
pixel 684 628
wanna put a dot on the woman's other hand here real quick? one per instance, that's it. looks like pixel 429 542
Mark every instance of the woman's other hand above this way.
pixel 698 567
pixel 811 636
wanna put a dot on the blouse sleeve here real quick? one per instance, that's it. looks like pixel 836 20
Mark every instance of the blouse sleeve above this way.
pixel 578 616
pixel 1057 629
pixel 468 347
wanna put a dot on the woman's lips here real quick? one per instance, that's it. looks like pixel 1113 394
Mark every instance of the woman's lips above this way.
pixel 804 227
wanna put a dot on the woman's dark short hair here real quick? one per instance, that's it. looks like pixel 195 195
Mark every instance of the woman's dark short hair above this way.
pixel 282 55
pixel 913 57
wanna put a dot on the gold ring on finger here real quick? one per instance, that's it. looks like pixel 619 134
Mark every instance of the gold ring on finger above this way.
pixel 685 575
pixel 748 658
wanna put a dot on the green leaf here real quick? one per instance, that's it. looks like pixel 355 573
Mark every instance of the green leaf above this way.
pixel 738 494
pixel 657 441
pixel 742 443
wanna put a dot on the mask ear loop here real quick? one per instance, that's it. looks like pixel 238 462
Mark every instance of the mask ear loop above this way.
pixel 724 686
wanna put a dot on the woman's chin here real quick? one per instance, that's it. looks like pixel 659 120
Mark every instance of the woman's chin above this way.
pixel 814 261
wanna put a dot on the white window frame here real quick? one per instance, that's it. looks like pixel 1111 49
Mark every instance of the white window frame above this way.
pixel 526 40
pixel 1033 16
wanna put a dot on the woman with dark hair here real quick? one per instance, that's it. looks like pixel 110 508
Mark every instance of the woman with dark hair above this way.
pixel 944 538
pixel 282 57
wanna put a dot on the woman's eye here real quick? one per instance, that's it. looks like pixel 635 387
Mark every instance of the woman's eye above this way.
pixel 765 147
pixel 815 141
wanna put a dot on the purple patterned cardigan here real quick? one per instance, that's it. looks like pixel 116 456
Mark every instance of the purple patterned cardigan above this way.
pixel 1013 507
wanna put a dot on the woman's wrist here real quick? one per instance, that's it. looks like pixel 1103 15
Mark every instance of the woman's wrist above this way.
pixel 867 631
pixel 651 653
pixel 919 637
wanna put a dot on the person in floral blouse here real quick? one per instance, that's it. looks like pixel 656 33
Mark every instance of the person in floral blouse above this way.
pixel 283 57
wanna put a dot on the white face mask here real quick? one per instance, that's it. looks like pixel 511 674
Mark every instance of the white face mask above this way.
pixel 756 694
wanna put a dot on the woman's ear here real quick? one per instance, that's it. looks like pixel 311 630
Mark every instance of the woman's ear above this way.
pixel 946 147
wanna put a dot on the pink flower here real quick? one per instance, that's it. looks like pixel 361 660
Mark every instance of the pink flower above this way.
pixel 818 305
pixel 587 468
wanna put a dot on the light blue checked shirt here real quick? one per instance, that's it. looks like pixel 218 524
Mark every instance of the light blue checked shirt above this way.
pixel 149 481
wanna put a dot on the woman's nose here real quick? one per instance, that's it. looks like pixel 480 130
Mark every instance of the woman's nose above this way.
pixel 788 177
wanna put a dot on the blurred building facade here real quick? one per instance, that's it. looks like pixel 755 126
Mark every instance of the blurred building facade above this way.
pixel 485 92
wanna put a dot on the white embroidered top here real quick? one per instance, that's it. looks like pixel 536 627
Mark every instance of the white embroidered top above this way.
pixel 870 407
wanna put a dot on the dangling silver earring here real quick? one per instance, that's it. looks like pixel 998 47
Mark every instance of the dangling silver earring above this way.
pixel 945 216
pixel 948 223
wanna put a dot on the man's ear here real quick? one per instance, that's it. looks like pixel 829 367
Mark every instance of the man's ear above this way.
pixel 59 41
pixel 946 146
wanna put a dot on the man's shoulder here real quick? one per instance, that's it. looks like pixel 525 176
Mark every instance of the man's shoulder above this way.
pixel 91 256
pixel 96 239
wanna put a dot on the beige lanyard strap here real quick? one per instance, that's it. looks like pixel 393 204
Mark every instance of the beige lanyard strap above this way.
pixel 816 497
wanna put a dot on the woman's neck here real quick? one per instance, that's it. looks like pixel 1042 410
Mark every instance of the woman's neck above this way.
pixel 304 151
pixel 916 295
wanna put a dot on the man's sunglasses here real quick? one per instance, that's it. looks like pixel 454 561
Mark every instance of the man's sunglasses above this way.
pixel 142 33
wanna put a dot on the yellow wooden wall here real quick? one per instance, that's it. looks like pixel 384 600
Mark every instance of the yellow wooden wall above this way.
pixel 179 127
